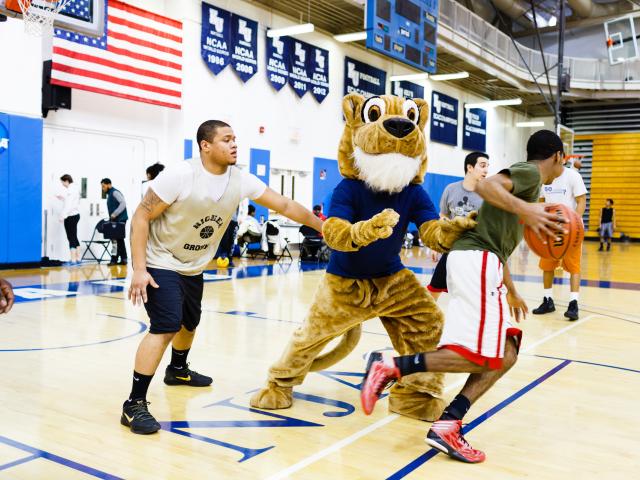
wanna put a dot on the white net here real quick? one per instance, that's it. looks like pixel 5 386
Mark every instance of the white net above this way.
pixel 38 15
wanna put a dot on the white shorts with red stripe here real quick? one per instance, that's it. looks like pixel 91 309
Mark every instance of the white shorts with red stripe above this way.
pixel 477 320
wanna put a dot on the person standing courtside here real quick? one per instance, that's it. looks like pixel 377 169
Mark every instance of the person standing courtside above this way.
pixel 568 189
pixel 607 224
pixel 458 199
pixel 117 208
pixel 175 232
pixel 70 216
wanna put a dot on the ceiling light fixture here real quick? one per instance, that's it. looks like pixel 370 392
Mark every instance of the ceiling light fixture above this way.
pixel 410 76
pixel 350 37
pixel 494 103
pixel 450 76
pixel 292 30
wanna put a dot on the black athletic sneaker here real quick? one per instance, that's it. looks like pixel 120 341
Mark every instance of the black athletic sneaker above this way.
pixel 572 310
pixel 136 416
pixel 184 376
pixel 547 306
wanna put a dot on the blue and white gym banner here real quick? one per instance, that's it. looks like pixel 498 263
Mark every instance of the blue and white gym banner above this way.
pixel 474 130
pixel 277 61
pixel 215 37
pixel 444 118
pixel 406 89
pixel 4 138
pixel 244 46
pixel 319 69
pixel 364 79
pixel 299 78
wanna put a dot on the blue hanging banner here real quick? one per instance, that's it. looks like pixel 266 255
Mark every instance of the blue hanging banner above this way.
pixel 277 61
pixel 475 129
pixel 407 89
pixel 244 46
pixel 444 118
pixel 215 37
pixel 299 78
pixel 363 79
pixel 319 69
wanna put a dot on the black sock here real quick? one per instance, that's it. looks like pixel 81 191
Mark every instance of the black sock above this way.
pixel 408 364
pixel 456 409
pixel 139 386
pixel 179 358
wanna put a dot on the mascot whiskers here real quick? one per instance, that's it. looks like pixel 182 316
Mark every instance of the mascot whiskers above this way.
pixel 383 160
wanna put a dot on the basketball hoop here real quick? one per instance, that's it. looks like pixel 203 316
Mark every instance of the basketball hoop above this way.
pixel 38 15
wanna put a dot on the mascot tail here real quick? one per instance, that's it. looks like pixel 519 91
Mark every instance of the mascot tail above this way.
pixel 347 343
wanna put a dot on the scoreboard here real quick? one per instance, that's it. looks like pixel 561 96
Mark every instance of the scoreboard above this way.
pixel 404 30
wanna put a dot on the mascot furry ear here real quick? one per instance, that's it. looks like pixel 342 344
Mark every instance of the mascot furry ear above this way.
pixel 383 159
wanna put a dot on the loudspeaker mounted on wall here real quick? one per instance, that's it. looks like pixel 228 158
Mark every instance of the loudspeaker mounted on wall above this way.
pixel 53 96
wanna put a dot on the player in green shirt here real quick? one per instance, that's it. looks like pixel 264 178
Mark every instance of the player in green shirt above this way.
pixel 477 338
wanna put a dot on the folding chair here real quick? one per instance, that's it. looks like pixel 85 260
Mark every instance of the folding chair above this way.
pixel 252 246
pixel 105 244
pixel 284 252
pixel 311 246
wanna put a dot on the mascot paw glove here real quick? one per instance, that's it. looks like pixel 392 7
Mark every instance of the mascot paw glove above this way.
pixel 378 227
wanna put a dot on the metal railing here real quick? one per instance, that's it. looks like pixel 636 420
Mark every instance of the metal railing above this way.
pixel 589 72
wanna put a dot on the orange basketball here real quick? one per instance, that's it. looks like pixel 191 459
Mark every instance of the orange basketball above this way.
pixel 557 246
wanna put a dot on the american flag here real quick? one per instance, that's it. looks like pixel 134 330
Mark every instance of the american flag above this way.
pixel 138 57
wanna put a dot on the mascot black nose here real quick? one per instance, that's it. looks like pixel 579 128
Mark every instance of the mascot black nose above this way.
pixel 399 127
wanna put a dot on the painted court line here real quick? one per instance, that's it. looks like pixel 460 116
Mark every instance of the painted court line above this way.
pixel 287 472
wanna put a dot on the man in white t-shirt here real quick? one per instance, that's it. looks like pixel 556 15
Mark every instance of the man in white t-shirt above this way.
pixel 568 189
pixel 175 233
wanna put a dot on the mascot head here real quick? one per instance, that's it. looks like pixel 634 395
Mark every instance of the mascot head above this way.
pixel 383 142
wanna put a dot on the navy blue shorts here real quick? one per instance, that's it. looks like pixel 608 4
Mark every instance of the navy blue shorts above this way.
pixel 177 301
pixel 439 278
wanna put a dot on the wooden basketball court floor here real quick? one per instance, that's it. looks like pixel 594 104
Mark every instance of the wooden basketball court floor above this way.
pixel 569 408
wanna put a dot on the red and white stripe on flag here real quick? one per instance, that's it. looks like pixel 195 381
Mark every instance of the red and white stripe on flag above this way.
pixel 139 57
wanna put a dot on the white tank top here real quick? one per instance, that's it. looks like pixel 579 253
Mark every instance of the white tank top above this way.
pixel 187 234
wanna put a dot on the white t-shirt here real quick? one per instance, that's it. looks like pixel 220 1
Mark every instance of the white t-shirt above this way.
pixel 565 189
pixel 174 183
pixel 71 201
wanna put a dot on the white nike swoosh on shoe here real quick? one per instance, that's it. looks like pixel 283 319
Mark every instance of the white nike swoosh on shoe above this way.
pixel 129 419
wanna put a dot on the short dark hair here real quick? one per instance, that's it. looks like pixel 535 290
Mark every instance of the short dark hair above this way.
pixel 251 210
pixel 472 159
pixel 154 170
pixel 208 129
pixel 106 181
pixel 610 200
pixel 317 207
pixel 543 144
pixel 66 178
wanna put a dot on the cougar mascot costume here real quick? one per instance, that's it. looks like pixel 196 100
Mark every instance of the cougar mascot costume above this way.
pixel 383 160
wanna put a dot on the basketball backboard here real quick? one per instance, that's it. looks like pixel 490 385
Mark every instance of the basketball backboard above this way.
pixel 622 43
pixel 567 136
pixel 82 16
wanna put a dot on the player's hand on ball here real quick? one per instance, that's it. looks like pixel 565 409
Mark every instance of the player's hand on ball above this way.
pixel 517 306
pixel 138 288
pixel 541 221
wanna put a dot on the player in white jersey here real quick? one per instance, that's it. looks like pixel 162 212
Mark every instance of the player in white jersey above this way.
pixel 568 189
pixel 175 233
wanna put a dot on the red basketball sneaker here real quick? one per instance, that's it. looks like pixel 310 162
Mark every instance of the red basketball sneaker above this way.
pixel 446 436
pixel 379 374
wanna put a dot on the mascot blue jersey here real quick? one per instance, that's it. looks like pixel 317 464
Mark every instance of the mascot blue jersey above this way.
pixel 353 201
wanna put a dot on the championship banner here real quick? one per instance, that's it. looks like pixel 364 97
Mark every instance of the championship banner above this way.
pixel 444 118
pixel 215 37
pixel 299 77
pixel 319 69
pixel 277 61
pixel 363 79
pixel 406 89
pixel 244 45
pixel 475 129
